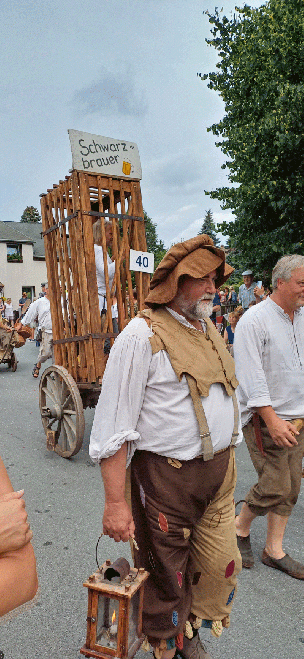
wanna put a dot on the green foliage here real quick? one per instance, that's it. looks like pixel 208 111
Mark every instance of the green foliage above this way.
pixel 260 76
pixel 209 228
pixel 153 243
pixel 30 214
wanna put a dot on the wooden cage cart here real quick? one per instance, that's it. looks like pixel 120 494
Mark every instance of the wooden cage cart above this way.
pixel 69 211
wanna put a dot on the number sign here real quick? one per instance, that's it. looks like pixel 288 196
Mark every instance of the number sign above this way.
pixel 141 261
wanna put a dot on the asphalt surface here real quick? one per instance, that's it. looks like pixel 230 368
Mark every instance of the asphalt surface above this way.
pixel 64 500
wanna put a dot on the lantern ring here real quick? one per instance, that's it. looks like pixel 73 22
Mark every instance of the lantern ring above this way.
pixel 96 549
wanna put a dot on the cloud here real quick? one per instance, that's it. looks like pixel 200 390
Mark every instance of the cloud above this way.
pixel 112 94
pixel 181 172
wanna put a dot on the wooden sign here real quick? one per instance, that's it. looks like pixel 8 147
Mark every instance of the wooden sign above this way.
pixel 104 155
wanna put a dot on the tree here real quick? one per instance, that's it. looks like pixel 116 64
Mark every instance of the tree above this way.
pixel 153 243
pixel 30 214
pixel 260 76
pixel 209 228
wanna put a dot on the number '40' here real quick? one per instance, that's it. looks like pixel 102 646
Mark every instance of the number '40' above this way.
pixel 142 262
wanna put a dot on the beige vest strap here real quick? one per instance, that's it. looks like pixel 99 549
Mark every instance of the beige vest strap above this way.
pixel 207 448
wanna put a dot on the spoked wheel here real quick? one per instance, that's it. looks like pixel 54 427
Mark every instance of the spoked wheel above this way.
pixel 61 411
pixel 14 363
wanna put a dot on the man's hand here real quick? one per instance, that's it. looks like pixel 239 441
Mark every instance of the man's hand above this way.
pixel 283 432
pixel 258 292
pixel 118 521
pixel 15 531
pixel 18 326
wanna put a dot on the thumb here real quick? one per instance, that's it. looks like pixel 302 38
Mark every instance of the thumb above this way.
pixel 11 495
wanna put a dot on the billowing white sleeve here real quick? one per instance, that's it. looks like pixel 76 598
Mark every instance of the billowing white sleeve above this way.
pixel 248 347
pixel 31 313
pixel 122 393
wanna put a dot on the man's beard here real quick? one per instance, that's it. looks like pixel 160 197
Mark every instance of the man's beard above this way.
pixel 198 310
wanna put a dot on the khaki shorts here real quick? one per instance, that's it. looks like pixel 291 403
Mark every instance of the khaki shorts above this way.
pixel 279 472
pixel 46 347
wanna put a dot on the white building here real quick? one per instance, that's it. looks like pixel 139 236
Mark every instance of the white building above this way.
pixel 22 260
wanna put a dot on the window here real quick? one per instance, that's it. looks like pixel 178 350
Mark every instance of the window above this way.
pixel 14 252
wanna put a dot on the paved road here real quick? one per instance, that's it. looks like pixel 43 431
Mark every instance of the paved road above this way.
pixel 65 500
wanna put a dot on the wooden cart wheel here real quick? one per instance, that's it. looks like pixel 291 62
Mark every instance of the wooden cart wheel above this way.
pixel 14 363
pixel 61 411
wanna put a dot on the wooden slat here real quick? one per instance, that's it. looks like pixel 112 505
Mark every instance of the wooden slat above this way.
pixel 82 287
pixel 52 270
pixel 76 304
pixel 69 329
pixel 63 322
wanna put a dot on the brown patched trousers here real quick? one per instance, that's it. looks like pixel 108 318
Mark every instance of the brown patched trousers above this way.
pixel 184 521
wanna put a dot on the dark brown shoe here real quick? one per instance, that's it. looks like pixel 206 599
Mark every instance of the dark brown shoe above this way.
pixel 285 564
pixel 244 546
pixel 193 649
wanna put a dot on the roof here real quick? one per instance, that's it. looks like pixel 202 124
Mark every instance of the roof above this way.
pixel 10 231
pixel 24 232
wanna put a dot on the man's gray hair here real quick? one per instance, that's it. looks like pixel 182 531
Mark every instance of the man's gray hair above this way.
pixel 285 267
pixel 97 230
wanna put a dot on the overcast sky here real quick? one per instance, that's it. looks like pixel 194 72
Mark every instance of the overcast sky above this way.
pixel 125 69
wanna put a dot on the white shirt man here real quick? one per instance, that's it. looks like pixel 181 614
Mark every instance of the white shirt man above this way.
pixel 269 356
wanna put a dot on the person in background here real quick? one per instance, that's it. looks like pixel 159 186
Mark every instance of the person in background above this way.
pixel 222 296
pixel 40 311
pixel 22 301
pixel 216 307
pixel 232 297
pixel 42 293
pixel 100 272
pixel 233 319
pixel 18 575
pixel 9 312
pixel 246 290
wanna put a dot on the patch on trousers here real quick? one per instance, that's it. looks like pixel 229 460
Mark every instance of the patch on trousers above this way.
pixel 215 520
pixel 151 559
pixel 175 618
pixel 179 579
pixel 186 533
pixel 170 642
pixel 230 598
pixel 179 641
pixel 230 569
pixel 142 495
pixel 163 524
pixel 196 578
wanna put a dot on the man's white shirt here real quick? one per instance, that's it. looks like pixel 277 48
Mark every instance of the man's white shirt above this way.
pixel 269 359
pixel 39 310
pixel 143 402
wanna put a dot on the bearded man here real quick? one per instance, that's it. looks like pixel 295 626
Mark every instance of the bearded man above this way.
pixel 168 406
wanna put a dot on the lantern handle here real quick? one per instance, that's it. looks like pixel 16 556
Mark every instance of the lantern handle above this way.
pixel 96 548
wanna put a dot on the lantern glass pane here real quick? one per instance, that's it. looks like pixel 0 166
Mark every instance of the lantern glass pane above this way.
pixel 107 622
pixel 133 621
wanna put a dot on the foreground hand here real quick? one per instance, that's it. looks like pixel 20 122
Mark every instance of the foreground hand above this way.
pixel 18 326
pixel 118 521
pixel 15 531
pixel 283 432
